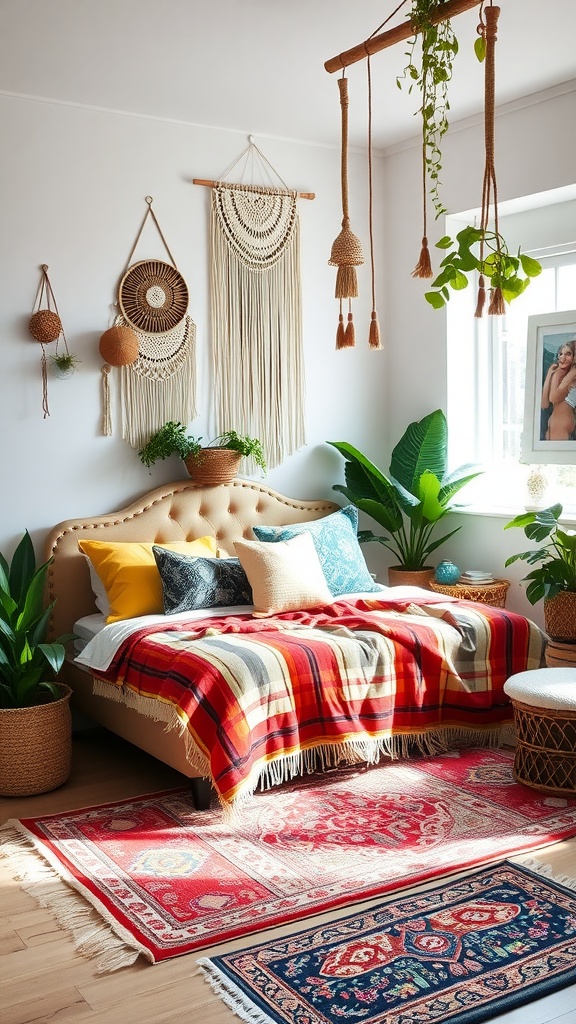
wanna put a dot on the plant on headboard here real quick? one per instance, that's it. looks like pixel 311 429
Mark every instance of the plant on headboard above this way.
pixel 173 439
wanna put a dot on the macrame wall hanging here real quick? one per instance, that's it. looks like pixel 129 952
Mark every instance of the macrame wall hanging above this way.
pixel 256 310
pixel 153 342
pixel 46 327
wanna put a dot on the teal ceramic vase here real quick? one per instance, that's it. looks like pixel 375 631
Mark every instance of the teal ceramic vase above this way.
pixel 447 572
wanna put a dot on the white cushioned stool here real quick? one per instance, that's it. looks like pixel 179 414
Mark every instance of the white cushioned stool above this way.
pixel 544 702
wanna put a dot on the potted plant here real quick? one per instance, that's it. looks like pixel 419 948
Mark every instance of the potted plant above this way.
pixel 214 463
pixel 35 724
pixel 411 501
pixel 64 364
pixel 554 579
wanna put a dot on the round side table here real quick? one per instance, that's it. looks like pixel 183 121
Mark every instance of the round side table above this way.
pixel 486 593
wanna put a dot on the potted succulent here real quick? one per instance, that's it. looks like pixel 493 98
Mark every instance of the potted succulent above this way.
pixel 410 502
pixel 64 364
pixel 214 463
pixel 35 723
pixel 554 579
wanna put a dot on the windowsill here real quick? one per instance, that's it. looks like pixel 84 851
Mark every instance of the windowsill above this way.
pixel 568 517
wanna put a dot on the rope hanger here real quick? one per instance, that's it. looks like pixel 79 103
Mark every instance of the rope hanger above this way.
pixel 250 155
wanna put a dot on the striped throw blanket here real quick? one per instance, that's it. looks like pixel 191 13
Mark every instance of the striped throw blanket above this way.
pixel 262 700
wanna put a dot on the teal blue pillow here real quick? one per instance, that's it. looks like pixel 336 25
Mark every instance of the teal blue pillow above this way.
pixel 336 541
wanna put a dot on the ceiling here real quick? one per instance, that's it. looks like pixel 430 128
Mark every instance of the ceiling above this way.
pixel 257 66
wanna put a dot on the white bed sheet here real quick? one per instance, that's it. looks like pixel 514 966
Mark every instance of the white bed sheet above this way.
pixel 103 644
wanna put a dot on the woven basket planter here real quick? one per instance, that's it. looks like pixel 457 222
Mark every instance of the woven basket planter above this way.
pixel 560 653
pixel 213 466
pixel 398 577
pixel 560 616
pixel 35 746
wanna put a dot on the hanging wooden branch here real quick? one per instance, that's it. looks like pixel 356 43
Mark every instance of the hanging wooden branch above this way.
pixel 346 249
pixel 395 35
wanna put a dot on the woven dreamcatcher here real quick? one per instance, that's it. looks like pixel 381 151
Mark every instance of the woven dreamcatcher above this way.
pixel 346 251
pixel 256 312
pixel 46 327
pixel 153 342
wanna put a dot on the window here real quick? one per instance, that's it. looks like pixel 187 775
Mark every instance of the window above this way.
pixel 486 371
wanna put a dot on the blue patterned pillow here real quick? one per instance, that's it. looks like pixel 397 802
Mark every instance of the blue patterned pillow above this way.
pixel 335 539
pixel 190 582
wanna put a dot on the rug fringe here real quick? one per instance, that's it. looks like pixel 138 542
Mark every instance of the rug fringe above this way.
pixel 94 936
pixel 545 871
pixel 231 994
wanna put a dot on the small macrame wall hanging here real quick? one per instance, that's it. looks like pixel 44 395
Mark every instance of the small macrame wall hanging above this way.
pixel 153 342
pixel 46 327
pixel 256 312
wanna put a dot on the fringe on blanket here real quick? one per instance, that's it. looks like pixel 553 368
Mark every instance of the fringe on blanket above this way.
pixel 94 933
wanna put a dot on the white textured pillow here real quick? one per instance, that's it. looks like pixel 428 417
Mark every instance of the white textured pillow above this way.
pixel 284 576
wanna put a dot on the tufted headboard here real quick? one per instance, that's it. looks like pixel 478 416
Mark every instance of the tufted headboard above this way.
pixel 180 511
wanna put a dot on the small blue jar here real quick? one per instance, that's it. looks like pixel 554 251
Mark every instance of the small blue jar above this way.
pixel 447 572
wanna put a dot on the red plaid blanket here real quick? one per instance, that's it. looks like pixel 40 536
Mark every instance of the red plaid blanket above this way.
pixel 265 699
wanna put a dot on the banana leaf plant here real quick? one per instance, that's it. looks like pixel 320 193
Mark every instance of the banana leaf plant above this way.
pixel 27 663
pixel 417 494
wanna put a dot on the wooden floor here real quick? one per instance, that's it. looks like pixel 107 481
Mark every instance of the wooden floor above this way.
pixel 42 979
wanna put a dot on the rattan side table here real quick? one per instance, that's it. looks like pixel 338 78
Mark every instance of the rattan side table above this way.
pixel 486 593
pixel 544 702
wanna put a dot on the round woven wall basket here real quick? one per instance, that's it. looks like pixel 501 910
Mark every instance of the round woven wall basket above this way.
pixel 45 326
pixel 153 296
pixel 399 577
pixel 560 616
pixel 213 466
pixel 36 746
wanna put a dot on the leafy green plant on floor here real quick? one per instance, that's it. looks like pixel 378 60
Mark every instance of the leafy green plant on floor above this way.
pixel 415 497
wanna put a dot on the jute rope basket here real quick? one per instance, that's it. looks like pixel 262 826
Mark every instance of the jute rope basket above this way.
pixel 35 747
pixel 213 466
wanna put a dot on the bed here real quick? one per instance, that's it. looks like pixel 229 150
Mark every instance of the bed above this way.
pixel 245 694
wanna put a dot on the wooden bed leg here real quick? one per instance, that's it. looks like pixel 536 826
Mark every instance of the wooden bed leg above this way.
pixel 201 793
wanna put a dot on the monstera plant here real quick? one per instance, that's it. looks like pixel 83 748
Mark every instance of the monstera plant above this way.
pixel 417 494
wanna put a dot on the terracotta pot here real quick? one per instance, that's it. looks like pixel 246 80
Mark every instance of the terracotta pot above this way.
pixel 399 577
pixel 560 616
pixel 213 466
pixel 36 746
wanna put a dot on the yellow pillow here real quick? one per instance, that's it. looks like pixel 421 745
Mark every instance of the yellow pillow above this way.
pixel 130 574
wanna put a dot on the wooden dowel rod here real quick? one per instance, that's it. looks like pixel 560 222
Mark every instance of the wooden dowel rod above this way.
pixel 395 35
pixel 211 184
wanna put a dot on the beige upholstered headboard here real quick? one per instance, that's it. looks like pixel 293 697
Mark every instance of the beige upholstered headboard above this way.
pixel 180 511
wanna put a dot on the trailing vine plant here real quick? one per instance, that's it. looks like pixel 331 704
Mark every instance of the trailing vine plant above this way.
pixel 439 47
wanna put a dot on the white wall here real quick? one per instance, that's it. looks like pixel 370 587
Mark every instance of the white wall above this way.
pixel 72 188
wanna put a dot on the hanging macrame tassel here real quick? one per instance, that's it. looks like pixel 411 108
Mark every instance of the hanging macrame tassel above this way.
pixel 481 301
pixel 346 251
pixel 350 335
pixel 496 305
pixel 106 415
pixel 424 267
pixel 374 333
pixel 340 333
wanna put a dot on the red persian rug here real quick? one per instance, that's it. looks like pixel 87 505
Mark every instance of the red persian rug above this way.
pixel 463 952
pixel 165 879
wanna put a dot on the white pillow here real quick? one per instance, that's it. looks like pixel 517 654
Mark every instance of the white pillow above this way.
pixel 284 576
pixel 98 589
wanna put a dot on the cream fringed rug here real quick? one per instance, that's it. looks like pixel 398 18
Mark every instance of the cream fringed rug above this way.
pixel 153 876
pixel 257 316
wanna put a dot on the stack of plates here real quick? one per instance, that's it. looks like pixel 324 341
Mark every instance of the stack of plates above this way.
pixel 476 576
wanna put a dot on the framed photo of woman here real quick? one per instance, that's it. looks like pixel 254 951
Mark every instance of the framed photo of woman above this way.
pixel 549 433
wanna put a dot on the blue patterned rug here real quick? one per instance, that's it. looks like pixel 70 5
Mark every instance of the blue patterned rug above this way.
pixel 462 952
